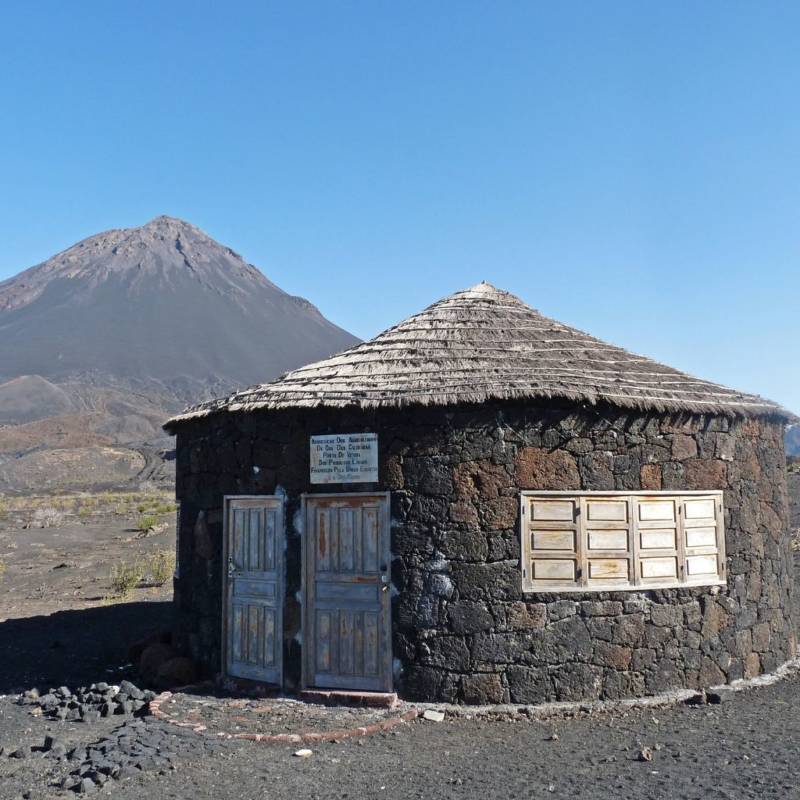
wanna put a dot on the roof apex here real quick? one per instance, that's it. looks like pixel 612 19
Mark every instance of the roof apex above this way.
pixel 484 287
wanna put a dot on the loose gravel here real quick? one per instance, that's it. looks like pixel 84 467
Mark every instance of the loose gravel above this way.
pixel 220 713
pixel 743 747
pixel 140 746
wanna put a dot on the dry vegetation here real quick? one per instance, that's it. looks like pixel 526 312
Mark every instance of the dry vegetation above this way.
pixel 155 571
pixel 69 549
pixel 147 522
pixel 147 506
pixel 162 566
pixel 125 578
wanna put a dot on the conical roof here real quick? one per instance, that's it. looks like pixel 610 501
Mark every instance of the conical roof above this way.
pixel 484 344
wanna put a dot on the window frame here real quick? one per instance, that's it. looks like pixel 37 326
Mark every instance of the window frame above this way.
pixel 579 555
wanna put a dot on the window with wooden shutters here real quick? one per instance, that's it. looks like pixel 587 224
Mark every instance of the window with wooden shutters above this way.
pixel 606 541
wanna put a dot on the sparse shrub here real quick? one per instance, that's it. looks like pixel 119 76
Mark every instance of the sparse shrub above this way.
pixel 84 513
pixel 47 518
pixel 3 568
pixel 125 578
pixel 121 510
pixel 146 522
pixel 165 508
pixel 162 565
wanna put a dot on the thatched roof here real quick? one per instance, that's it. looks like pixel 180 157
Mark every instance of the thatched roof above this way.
pixel 485 344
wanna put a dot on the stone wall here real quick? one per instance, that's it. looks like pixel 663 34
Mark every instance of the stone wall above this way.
pixel 463 629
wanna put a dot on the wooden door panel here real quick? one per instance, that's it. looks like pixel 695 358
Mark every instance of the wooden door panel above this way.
pixel 348 634
pixel 254 580
pixel 370 533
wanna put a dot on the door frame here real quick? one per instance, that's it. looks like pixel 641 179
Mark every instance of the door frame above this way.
pixel 280 590
pixel 307 586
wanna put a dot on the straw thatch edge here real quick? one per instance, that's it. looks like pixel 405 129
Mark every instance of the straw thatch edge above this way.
pixel 755 410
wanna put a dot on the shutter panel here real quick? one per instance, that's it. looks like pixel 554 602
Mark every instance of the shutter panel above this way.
pixel 552 543
pixel 606 528
pixel 657 540
pixel 703 541
pixel 606 541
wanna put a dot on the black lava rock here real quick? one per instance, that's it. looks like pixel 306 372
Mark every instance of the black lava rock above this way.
pixel 85 785
pixel 50 742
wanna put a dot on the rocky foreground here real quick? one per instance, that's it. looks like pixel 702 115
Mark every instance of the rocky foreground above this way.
pixel 742 747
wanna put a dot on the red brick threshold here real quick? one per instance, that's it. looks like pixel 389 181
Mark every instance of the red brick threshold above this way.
pixel 386 700
pixel 335 735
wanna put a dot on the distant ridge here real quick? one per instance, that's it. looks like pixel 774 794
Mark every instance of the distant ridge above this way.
pixel 162 307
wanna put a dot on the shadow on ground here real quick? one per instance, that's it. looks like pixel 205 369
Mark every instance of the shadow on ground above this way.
pixel 74 648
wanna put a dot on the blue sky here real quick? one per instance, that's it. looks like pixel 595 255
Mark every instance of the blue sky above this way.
pixel 632 169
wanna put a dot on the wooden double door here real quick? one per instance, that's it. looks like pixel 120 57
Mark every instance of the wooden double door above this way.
pixel 346 593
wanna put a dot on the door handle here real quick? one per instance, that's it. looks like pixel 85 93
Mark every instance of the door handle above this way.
pixel 231 567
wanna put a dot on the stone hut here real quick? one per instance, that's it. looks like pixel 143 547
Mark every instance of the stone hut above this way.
pixel 483 505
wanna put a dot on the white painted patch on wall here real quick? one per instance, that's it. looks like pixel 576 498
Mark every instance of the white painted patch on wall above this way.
pixel 298 523
pixel 397 668
pixel 440 585
pixel 438 563
pixel 256 469
pixel 501 435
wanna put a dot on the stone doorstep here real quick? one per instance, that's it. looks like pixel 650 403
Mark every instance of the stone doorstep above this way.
pixel 343 697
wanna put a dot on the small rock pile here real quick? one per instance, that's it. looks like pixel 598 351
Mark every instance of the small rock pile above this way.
pixel 136 746
pixel 88 704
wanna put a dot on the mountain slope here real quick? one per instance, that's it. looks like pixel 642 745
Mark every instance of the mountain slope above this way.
pixel 105 340
pixel 162 307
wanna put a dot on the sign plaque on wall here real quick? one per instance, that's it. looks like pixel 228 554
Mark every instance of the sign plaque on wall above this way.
pixel 344 458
